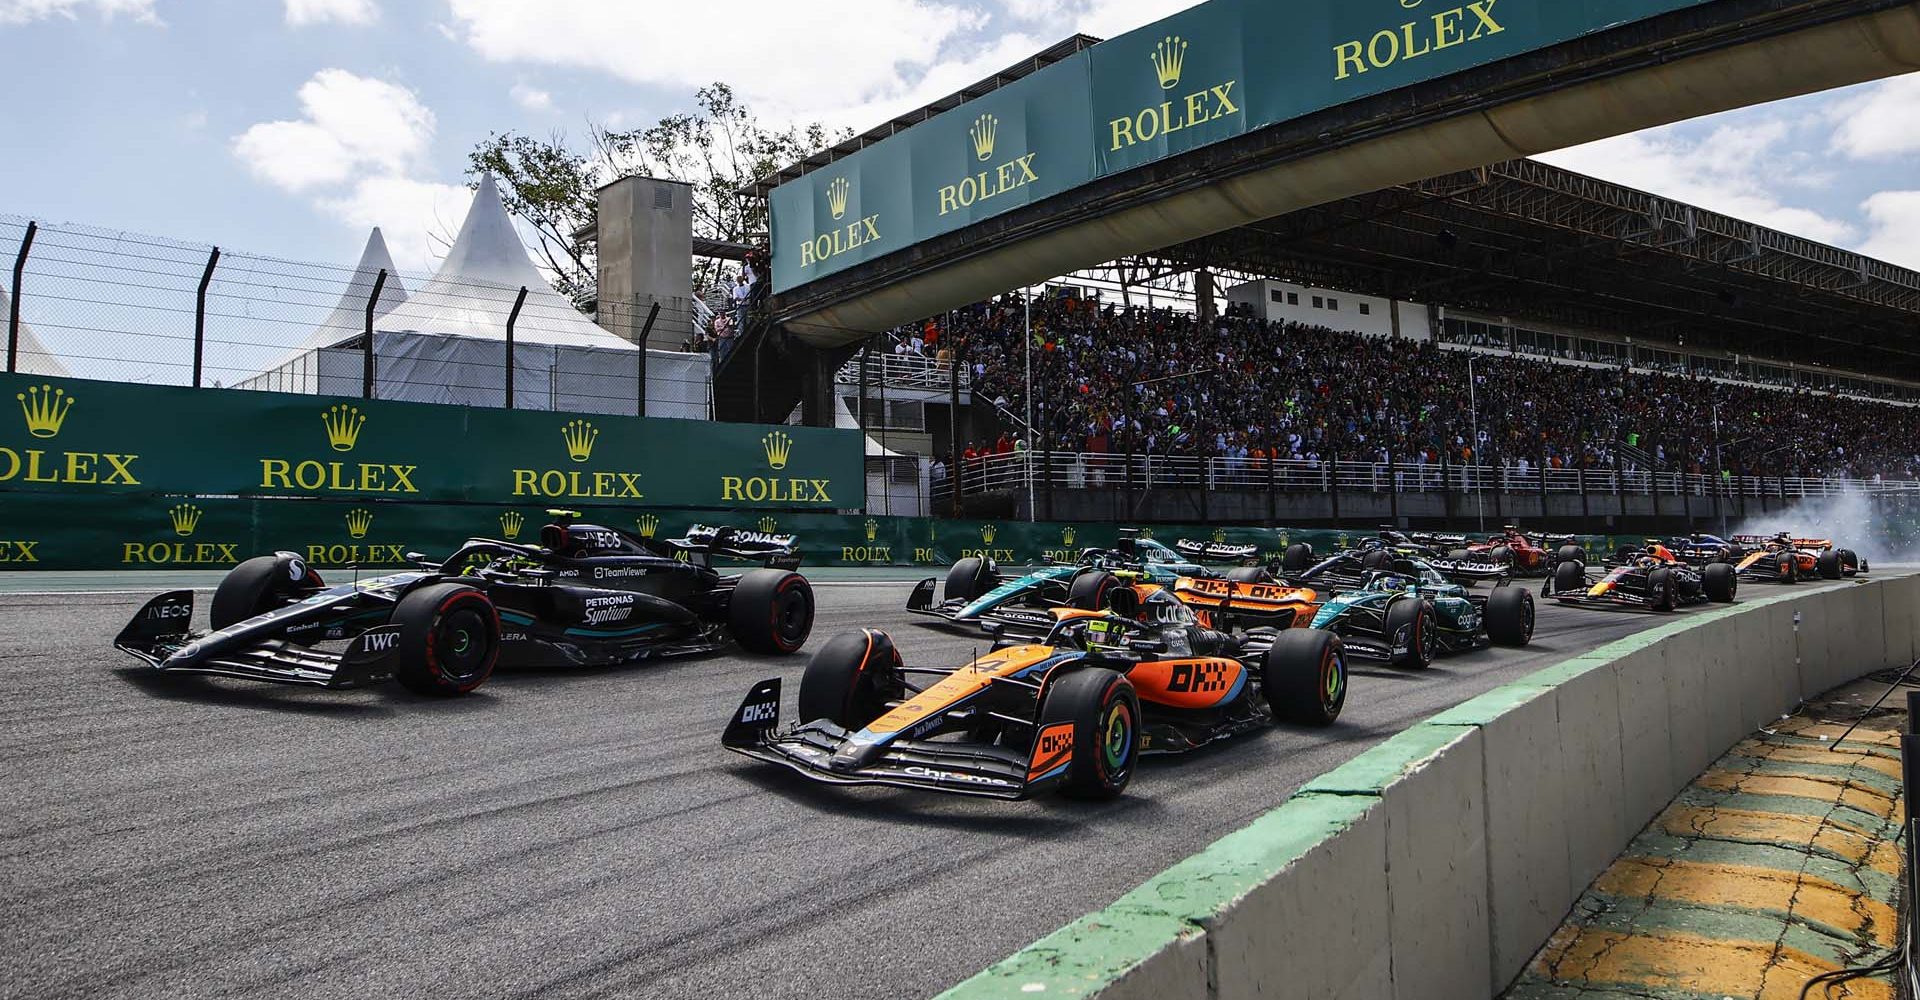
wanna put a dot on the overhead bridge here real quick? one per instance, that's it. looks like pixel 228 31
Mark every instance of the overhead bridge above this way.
pixel 1694 59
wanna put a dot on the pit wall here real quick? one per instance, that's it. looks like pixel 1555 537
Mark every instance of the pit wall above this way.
pixel 1434 865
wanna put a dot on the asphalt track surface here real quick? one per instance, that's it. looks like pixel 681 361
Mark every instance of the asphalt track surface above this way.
pixel 573 834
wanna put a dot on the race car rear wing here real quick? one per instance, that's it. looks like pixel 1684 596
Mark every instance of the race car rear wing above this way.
pixel 771 550
pixel 1215 551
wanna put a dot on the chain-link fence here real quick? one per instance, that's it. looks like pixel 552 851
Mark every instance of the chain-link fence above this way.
pixel 99 304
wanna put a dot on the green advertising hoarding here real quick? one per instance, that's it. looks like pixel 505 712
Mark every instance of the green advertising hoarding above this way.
pixel 75 436
pixel 1207 74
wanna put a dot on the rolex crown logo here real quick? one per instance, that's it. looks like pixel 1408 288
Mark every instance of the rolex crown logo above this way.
pixel 779 448
pixel 837 196
pixel 648 524
pixel 580 436
pixel 510 524
pixel 1220 536
pixel 185 518
pixel 46 409
pixel 984 131
pixel 343 426
pixel 359 522
pixel 988 532
pixel 769 525
pixel 1169 60
pixel 1146 533
pixel 1067 536
pixel 873 529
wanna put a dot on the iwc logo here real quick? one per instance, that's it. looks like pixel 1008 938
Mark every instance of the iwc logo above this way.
pixel 1196 108
pixel 579 437
pixel 45 409
pixel 342 423
pixel 183 520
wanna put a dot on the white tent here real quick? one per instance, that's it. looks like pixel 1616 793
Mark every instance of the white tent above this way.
pixel 298 371
pixel 447 342
pixel 33 357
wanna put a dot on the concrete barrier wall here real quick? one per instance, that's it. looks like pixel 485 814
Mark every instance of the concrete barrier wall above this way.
pixel 1435 864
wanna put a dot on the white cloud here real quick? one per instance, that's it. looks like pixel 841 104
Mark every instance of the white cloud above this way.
pixel 1895 217
pixel 1737 169
pixel 1100 18
pixel 25 11
pixel 531 98
pixel 301 13
pixel 350 124
pixel 1880 120
pixel 418 218
pixel 778 54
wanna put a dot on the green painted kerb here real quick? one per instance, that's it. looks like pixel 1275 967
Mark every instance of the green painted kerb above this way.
pixel 1173 909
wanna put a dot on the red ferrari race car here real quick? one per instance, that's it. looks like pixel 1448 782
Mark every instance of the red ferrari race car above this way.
pixel 1519 553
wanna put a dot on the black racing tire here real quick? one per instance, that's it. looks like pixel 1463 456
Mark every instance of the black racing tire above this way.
pixel 1092 590
pixel 1789 567
pixel 969 578
pixel 1459 555
pixel 850 680
pixel 1569 576
pixel 256 587
pixel 1850 562
pixel 1105 713
pixel 449 639
pixel 1247 574
pixel 1376 559
pixel 1660 590
pixel 1500 555
pixel 1720 582
pixel 1510 616
pixel 771 612
pixel 1829 565
pixel 1414 615
pixel 1570 553
pixel 1304 676
pixel 1299 556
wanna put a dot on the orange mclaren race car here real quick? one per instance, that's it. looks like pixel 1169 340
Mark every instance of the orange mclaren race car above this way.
pixel 1073 712
pixel 1783 558
pixel 1234 604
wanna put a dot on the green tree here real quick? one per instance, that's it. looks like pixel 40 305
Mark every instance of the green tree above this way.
pixel 720 148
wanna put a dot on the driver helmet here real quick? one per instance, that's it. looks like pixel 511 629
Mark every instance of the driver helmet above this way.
pixel 1393 583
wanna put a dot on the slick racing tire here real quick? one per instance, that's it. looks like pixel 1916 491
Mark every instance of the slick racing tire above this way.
pixel 969 578
pixel 1299 556
pixel 1830 565
pixel 1092 590
pixel 1569 577
pixel 1414 615
pixel 449 639
pixel 1377 559
pixel 1660 590
pixel 851 679
pixel 1105 712
pixel 771 612
pixel 1721 582
pixel 258 586
pixel 1789 567
pixel 1510 616
pixel 1304 676
pixel 1850 562
pixel 1247 574
pixel 1570 553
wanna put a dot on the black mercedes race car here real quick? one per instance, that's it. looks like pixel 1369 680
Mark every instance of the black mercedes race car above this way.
pixel 1649 579
pixel 585 596
pixel 1353 569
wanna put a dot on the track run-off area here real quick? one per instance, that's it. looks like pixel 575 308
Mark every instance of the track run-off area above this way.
pixel 568 833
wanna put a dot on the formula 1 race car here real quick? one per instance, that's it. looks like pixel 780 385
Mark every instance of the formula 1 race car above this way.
pixel 1699 549
pixel 1512 550
pixel 1782 558
pixel 1407 614
pixel 974 586
pixel 1353 569
pixel 586 596
pixel 1074 712
pixel 1649 579
pixel 1223 605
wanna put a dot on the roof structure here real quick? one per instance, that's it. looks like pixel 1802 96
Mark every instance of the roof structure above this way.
pixel 473 293
pixel 33 357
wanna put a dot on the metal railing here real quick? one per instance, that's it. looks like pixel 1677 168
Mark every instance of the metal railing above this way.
pixel 1076 471
pixel 906 371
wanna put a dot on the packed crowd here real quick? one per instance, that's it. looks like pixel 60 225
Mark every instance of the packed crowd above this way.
pixel 1160 382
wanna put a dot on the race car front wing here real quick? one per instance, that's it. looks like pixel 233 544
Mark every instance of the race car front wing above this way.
pixel 160 636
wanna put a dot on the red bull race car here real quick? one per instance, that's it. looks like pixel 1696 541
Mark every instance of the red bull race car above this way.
pixel 1653 578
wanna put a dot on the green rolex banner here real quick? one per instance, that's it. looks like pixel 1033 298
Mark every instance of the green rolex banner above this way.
pixel 74 436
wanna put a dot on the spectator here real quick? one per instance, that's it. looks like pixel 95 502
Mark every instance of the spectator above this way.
pixel 742 296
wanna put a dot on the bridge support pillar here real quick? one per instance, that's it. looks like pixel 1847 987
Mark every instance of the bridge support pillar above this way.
pixel 816 371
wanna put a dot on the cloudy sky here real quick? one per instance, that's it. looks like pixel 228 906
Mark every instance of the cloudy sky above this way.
pixel 287 127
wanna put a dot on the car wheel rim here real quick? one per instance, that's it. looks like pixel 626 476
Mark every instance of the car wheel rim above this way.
pixel 1333 683
pixel 1116 744
pixel 464 645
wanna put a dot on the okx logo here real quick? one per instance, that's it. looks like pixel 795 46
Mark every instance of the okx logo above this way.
pixel 580 437
pixel 342 425
pixel 44 410
pixel 182 522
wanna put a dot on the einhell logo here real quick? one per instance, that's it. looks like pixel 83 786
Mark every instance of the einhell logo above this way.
pixel 183 520
pixel 343 424
pixel 842 239
pixel 579 437
pixel 45 410
pixel 647 524
pixel 510 524
pixel 985 185
pixel 358 523
pixel 1197 108
pixel 778 447
pixel 1413 39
